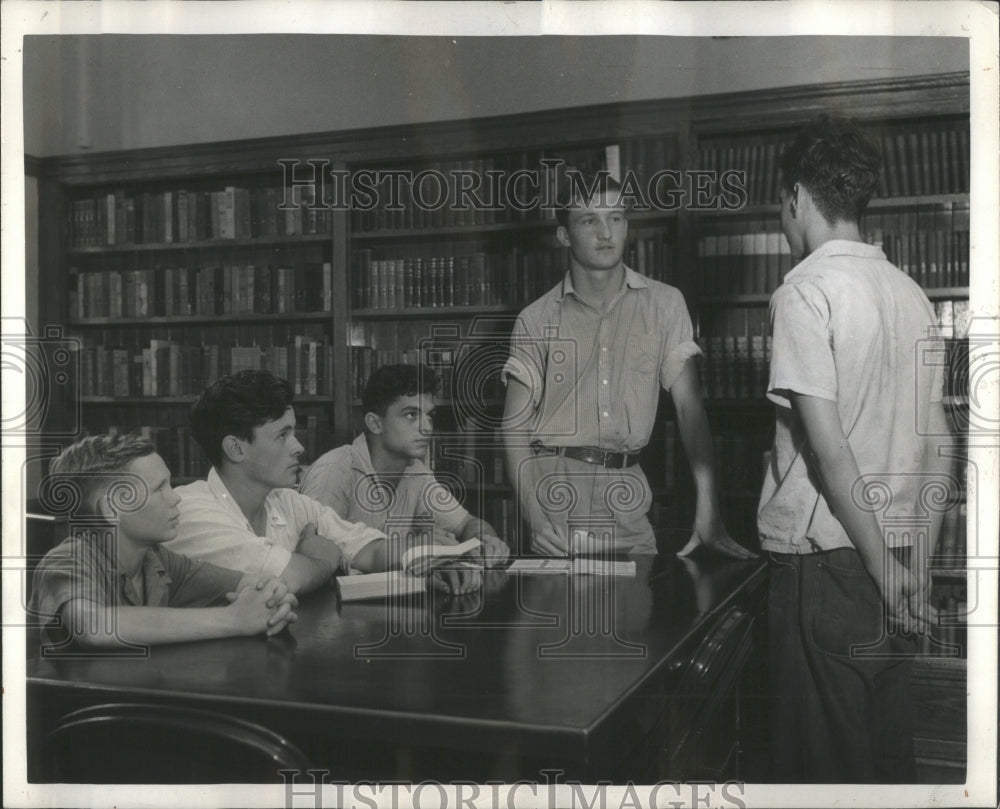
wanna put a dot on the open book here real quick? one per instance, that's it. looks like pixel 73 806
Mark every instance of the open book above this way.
pixel 416 563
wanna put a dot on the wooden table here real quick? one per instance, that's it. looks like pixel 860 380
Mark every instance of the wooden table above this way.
pixel 601 677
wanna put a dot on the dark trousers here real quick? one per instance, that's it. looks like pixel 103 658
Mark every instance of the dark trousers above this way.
pixel 841 679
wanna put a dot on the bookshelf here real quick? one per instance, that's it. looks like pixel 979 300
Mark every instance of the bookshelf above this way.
pixel 443 285
pixel 173 283
pixel 394 283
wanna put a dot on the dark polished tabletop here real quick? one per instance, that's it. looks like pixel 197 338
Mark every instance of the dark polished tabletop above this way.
pixel 543 659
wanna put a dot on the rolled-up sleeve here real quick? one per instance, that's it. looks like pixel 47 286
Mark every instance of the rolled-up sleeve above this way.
pixel 195 583
pixel 209 533
pixel 679 341
pixel 449 514
pixel 349 537
pixel 526 362
pixel 59 579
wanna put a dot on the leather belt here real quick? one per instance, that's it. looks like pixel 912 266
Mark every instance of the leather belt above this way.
pixel 594 455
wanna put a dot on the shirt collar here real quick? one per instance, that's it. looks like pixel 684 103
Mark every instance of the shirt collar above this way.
pixel 836 247
pixel 154 576
pixel 632 280
pixel 221 493
pixel 361 458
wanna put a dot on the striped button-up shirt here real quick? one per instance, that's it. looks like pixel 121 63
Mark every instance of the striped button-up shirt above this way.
pixel 595 376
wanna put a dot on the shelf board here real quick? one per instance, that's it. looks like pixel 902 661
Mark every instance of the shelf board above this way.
pixel 434 311
pixel 742 299
pixel 494 488
pixel 656 215
pixel 916 201
pixel 763 298
pixel 635 218
pixel 940 293
pixel 387 234
pixel 756 403
pixel 773 209
pixel 949 573
pixel 177 400
pixel 186 320
pixel 213 244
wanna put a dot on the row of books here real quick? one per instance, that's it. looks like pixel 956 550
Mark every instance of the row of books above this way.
pixel 643 157
pixel 488 190
pixel 175 368
pixel 462 277
pixel 735 366
pixel 183 216
pixel 929 244
pixel 926 159
pixel 423 197
pixel 757 158
pixel 472 458
pixel 466 373
pixel 652 256
pixel 183 455
pixel 952 317
pixel 365 359
pixel 736 347
pixel 217 290
pixel 741 263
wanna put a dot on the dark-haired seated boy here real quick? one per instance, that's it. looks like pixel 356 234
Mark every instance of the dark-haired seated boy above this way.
pixel 382 474
pixel 246 516
pixel 125 568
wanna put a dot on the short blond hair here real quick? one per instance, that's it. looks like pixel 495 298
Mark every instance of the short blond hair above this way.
pixel 88 462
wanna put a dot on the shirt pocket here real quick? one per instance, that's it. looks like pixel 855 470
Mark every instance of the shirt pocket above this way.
pixel 642 353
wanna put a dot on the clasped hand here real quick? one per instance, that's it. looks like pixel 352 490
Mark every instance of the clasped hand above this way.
pixel 266 607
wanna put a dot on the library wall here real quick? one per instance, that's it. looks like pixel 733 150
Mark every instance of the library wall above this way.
pixel 104 93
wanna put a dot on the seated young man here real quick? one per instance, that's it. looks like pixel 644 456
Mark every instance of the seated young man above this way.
pixel 127 569
pixel 382 474
pixel 246 516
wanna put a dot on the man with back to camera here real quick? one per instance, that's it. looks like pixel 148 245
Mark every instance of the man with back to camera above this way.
pixel 381 475
pixel 586 422
pixel 246 515
pixel 847 327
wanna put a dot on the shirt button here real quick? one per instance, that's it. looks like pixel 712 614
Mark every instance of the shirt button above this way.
pixel 604 382
pixel 605 414
pixel 604 348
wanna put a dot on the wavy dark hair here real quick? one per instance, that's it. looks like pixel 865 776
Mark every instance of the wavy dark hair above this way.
pixel 837 163
pixel 234 405
pixel 390 382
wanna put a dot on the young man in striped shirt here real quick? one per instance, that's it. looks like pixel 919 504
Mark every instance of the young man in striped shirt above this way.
pixel 587 362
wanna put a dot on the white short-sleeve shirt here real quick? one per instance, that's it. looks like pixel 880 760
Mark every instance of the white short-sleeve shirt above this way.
pixel 851 328
pixel 213 527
